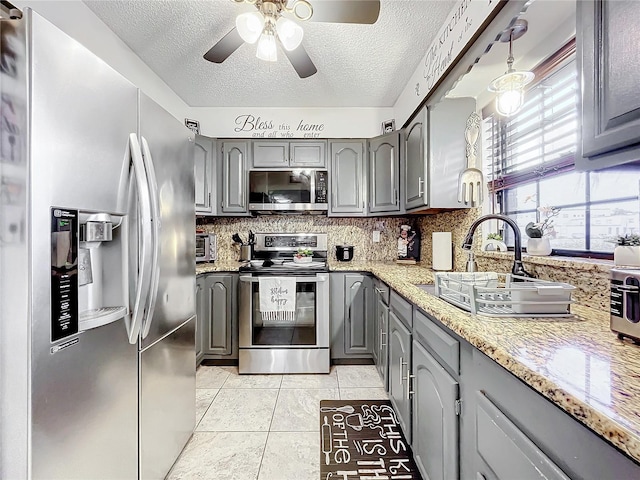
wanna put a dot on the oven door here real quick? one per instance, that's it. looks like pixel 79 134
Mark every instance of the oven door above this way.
pixel 310 328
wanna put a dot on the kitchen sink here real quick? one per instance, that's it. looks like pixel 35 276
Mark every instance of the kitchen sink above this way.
pixel 429 288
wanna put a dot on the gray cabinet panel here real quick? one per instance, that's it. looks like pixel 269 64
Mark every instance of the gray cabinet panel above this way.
pixel 384 163
pixel 434 418
pixel 234 177
pixel 414 152
pixel 348 178
pixel 506 450
pixel 219 290
pixel 439 342
pixel 308 154
pixel 381 340
pixel 402 308
pixel 399 365
pixel 357 306
pixel 607 33
pixel 200 318
pixel 205 178
pixel 270 154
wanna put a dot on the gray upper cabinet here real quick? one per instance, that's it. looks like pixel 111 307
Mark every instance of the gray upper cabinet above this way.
pixel 607 37
pixel 434 155
pixel 414 145
pixel 284 154
pixel 358 309
pixel 434 417
pixel 347 177
pixel 384 178
pixel 234 178
pixel 399 369
pixel 205 177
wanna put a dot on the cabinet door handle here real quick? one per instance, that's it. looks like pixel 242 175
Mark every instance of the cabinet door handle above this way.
pixel 209 204
pixel 382 344
pixel 409 377
pixel 420 184
pixel 379 290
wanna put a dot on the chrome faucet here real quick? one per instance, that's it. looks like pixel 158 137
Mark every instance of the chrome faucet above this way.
pixel 517 269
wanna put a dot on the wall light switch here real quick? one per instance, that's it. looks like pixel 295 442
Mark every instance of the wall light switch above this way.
pixel 376 236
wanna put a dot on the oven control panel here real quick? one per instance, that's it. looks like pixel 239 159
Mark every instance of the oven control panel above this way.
pixel 290 241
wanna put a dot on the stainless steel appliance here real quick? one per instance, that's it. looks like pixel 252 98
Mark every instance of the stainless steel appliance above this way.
pixel 97 285
pixel 298 190
pixel 300 345
pixel 206 247
pixel 625 303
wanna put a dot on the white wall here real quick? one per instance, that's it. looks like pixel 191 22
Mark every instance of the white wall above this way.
pixel 79 22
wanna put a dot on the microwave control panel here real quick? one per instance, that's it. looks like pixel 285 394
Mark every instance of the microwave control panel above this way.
pixel 321 186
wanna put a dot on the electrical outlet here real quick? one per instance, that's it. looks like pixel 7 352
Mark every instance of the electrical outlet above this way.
pixel 379 226
pixel 376 236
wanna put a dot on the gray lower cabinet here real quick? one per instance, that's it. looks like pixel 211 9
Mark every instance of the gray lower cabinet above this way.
pixel 399 369
pixel 218 315
pixel 434 417
pixel 200 316
pixel 233 184
pixel 351 315
pixel 205 175
pixel 610 105
pixel 380 337
pixel 384 174
pixel 347 177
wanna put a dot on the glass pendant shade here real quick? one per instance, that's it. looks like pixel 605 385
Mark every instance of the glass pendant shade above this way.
pixel 267 48
pixel 289 33
pixel 250 26
pixel 510 91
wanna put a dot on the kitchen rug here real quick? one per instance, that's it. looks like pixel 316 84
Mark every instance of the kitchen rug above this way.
pixel 362 440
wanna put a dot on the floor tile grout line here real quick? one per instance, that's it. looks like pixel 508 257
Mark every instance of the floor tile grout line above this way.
pixel 275 404
pixel 207 409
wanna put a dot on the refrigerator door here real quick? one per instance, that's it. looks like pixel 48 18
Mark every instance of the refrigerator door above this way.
pixel 167 341
pixel 83 387
pixel 167 148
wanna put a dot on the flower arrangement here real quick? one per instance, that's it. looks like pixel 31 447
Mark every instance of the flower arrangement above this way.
pixel 628 240
pixel 304 252
pixel 494 236
pixel 544 228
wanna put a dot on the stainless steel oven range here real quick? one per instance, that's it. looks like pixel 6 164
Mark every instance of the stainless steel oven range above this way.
pixel 294 341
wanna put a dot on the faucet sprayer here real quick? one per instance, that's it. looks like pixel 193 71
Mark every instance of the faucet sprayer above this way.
pixel 518 268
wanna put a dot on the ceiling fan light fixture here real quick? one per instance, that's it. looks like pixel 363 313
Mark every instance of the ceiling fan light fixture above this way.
pixel 289 33
pixel 267 48
pixel 250 26
pixel 510 86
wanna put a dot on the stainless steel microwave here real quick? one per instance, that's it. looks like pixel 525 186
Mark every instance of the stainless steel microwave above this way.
pixel 295 190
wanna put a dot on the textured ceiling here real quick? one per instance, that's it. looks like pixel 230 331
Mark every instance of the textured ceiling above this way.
pixel 358 65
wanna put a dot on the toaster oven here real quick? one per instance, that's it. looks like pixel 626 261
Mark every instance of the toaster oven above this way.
pixel 625 303
pixel 206 247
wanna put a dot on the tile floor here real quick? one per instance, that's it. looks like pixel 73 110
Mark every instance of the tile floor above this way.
pixel 265 427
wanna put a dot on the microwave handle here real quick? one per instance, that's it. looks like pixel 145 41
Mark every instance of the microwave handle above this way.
pixel 250 279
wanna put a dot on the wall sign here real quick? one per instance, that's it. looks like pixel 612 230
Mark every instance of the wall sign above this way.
pixel 259 127
pixel 462 23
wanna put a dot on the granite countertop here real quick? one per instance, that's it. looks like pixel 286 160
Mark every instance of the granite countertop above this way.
pixel 577 363
pixel 218 266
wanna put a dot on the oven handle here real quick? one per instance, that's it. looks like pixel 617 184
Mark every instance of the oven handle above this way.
pixel 248 278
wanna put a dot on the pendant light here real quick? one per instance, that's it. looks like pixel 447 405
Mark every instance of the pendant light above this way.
pixel 250 26
pixel 267 48
pixel 509 87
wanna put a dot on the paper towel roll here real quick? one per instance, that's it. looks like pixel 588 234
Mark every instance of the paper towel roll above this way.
pixel 442 251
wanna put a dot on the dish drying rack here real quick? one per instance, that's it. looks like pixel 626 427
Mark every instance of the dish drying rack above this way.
pixel 487 294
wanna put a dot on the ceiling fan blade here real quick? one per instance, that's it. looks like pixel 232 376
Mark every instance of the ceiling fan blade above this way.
pixel 345 11
pixel 225 47
pixel 301 62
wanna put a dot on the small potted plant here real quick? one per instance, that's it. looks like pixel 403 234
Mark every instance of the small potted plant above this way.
pixel 540 232
pixel 303 255
pixel 494 243
pixel 627 251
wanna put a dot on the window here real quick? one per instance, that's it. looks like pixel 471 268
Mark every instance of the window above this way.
pixel 530 164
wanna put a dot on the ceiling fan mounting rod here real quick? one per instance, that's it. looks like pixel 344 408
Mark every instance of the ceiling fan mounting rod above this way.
pixel 297 9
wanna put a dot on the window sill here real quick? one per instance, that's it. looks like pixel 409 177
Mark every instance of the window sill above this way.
pixel 576 263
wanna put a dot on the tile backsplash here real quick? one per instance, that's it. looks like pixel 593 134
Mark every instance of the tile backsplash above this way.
pixel 591 280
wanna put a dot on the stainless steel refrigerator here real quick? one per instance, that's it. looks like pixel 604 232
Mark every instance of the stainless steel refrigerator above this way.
pixel 97 271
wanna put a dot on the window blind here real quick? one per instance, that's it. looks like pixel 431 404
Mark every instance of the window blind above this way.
pixel 539 140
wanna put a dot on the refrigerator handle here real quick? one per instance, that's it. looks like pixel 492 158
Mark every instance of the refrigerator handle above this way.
pixel 144 271
pixel 155 228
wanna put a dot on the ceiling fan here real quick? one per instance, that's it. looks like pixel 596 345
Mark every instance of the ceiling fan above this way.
pixel 269 26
